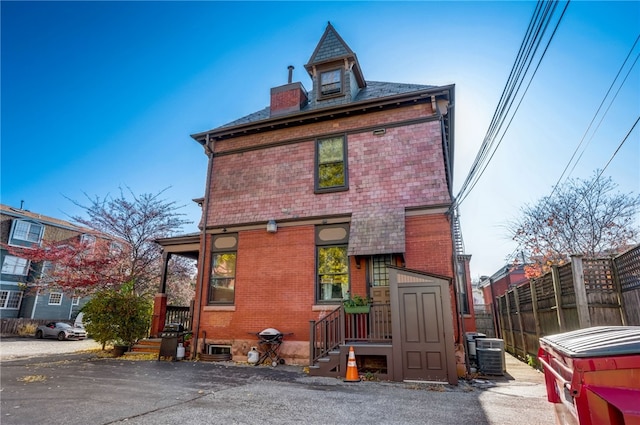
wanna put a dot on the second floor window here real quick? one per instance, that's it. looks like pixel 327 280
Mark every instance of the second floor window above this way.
pixel 26 233
pixel 15 265
pixel 331 164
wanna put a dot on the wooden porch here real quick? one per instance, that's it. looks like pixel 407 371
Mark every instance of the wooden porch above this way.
pixel 369 333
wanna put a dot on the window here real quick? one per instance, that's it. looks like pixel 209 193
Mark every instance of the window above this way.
pixel 26 233
pixel 333 273
pixel 15 265
pixel 10 300
pixel 88 240
pixel 223 278
pixel 330 82
pixel 331 168
pixel 75 301
pixel 115 248
pixel 55 298
pixel 379 275
pixel 332 263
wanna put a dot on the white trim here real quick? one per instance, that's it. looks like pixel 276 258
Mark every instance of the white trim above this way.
pixel 12 268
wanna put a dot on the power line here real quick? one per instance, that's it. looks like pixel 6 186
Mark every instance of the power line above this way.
pixel 596 114
pixel 533 38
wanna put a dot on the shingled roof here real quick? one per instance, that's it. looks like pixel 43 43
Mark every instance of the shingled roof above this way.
pixel 373 90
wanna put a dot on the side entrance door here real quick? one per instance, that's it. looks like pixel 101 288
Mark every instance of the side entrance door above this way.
pixel 422 324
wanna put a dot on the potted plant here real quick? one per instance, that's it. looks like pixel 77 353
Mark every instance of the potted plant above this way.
pixel 357 304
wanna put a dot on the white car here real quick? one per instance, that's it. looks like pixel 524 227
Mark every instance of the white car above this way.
pixel 62 331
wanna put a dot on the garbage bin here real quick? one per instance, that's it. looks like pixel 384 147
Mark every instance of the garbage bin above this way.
pixel 172 335
pixel 592 375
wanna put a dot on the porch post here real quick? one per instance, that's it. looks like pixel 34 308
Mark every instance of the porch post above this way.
pixel 166 256
pixel 159 314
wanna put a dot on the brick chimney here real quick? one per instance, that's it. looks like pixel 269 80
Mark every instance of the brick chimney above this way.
pixel 291 97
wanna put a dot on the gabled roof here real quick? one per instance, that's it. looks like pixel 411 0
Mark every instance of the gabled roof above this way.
pixel 43 219
pixel 331 48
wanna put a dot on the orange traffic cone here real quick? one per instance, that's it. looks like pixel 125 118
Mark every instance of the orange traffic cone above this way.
pixel 352 368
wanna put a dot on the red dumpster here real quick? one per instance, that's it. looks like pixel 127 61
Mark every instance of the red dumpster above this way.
pixel 593 375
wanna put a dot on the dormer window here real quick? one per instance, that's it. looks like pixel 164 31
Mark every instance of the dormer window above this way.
pixel 331 82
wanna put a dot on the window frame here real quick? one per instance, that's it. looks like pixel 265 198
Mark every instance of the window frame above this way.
pixel 331 236
pixel 10 295
pixel 223 244
pixel 51 295
pixel 13 272
pixel 75 301
pixel 27 243
pixel 332 93
pixel 345 165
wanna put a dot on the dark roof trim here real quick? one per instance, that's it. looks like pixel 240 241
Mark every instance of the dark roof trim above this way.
pixel 324 113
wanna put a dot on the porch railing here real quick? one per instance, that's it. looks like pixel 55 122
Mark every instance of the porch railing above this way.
pixel 178 314
pixel 338 328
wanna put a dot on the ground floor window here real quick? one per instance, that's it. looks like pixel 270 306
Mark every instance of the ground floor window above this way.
pixel 10 300
pixel 55 298
pixel 223 278
pixel 333 273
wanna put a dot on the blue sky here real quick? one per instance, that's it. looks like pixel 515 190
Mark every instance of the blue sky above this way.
pixel 101 95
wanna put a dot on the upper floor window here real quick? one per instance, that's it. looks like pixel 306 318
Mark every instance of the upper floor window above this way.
pixel 15 265
pixel 331 164
pixel 25 233
pixel 115 248
pixel 75 301
pixel 88 240
pixel 55 298
pixel 330 82
pixel 10 300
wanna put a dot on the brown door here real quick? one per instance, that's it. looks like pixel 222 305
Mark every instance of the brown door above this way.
pixel 424 326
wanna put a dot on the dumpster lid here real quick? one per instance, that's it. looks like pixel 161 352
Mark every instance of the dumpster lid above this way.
pixel 596 341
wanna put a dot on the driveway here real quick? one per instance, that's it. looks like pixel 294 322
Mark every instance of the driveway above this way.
pixel 89 389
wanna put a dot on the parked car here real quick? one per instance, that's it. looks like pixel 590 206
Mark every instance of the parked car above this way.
pixel 62 331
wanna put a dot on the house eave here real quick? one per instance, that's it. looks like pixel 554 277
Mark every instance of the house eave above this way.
pixel 322 114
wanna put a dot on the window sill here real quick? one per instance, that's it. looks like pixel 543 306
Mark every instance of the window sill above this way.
pixel 324 307
pixel 219 308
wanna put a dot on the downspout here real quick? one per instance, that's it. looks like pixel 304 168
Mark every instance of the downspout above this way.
pixel 452 215
pixel 203 244
pixel 35 303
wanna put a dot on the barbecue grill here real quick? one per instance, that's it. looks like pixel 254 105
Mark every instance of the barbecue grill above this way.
pixel 269 341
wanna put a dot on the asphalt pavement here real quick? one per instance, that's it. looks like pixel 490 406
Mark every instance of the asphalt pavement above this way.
pixel 88 388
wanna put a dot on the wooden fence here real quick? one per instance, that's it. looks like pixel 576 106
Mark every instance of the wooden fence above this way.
pixel 580 294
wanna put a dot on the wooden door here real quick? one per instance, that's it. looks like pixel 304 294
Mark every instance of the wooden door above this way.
pixel 423 323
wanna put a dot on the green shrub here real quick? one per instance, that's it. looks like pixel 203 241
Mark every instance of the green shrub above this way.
pixel 118 316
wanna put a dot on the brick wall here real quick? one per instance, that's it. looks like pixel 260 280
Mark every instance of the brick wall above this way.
pixel 403 167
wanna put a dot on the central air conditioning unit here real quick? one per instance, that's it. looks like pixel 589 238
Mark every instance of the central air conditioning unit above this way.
pixel 491 357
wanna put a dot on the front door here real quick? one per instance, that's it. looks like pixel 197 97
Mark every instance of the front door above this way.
pixel 422 327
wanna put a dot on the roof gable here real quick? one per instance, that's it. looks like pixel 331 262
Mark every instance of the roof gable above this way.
pixel 330 47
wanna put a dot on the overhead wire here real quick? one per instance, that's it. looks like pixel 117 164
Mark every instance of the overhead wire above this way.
pixel 481 162
pixel 560 179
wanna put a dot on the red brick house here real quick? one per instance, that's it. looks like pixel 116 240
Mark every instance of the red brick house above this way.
pixel 338 191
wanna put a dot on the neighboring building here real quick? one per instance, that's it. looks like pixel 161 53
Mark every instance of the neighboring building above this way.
pixel 498 284
pixel 18 296
pixel 344 189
